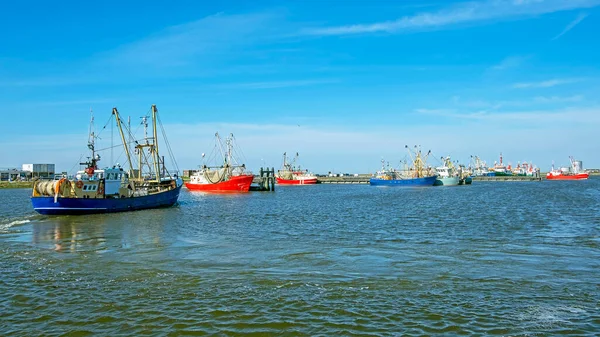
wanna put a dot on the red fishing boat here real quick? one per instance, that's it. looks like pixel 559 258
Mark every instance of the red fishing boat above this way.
pixel 231 176
pixel 290 174
pixel 575 172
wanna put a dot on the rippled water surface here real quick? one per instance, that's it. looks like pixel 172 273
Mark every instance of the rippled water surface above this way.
pixel 506 259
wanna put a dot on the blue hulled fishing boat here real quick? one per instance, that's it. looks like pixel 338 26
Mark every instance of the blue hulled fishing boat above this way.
pixel 112 189
pixel 419 174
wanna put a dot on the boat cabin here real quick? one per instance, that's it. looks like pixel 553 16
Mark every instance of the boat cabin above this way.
pixel 443 171
pixel 107 182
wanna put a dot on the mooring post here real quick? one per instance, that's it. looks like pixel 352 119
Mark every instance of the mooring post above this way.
pixel 272 179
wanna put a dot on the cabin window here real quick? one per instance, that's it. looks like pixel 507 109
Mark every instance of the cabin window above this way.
pixel 85 187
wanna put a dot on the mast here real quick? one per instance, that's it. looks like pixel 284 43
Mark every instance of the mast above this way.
pixel 91 139
pixel 91 164
pixel 229 142
pixel 115 112
pixel 154 149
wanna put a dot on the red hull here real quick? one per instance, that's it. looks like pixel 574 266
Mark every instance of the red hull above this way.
pixel 309 181
pixel 579 176
pixel 235 184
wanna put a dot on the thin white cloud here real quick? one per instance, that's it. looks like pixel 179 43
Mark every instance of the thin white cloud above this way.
pixel 573 115
pixel 435 111
pixel 274 84
pixel 571 25
pixel 525 102
pixel 209 38
pixel 463 13
pixel 558 99
pixel 327 147
pixel 510 62
pixel 545 84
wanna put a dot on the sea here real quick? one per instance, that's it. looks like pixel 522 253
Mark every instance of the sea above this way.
pixel 489 259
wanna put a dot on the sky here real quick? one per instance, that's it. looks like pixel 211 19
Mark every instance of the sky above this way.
pixel 343 83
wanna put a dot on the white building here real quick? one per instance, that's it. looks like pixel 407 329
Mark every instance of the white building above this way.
pixel 39 170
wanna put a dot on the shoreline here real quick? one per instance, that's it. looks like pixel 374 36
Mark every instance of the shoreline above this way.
pixel 15 184
pixel 327 180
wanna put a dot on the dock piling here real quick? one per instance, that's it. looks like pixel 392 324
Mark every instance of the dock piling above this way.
pixel 266 180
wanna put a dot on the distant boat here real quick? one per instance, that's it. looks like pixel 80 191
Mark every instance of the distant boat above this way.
pixel 524 170
pixel 111 189
pixel 291 173
pixel 479 167
pixel 500 170
pixel 230 176
pixel 467 180
pixel 447 174
pixel 418 174
pixel 568 173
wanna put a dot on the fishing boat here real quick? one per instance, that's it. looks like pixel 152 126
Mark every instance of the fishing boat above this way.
pixel 229 176
pixel 499 170
pixel 112 189
pixel 574 172
pixel 292 174
pixel 479 167
pixel 418 174
pixel 524 169
pixel 465 175
pixel 447 175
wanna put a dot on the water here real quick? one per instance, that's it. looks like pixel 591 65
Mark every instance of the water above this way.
pixel 506 259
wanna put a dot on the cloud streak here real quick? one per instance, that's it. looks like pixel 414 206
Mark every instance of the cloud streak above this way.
pixel 274 84
pixel 545 84
pixel 510 62
pixel 209 39
pixel 571 25
pixel 573 115
pixel 463 13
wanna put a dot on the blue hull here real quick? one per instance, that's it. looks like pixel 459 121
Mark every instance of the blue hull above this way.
pixel 414 182
pixel 74 206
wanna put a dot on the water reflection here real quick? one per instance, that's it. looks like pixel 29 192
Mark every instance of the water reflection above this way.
pixel 101 233
pixel 70 234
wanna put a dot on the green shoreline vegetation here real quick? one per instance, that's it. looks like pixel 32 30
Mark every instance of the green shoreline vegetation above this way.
pixel 16 184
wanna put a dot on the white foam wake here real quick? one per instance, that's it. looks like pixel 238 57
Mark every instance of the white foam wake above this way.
pixel 4 227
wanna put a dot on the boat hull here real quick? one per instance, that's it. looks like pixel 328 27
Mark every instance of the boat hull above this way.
pixel 466 181
pixel 446 181
pixel 307 181
pixel 233 185
pixel 78 206
pixel 579 176
pixel 410 182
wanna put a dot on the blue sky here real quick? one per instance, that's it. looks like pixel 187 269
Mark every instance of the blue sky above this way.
pixel 344 83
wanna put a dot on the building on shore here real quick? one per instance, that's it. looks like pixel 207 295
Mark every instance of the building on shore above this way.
pixel 12 174
pixel 188 173
pixel 39 170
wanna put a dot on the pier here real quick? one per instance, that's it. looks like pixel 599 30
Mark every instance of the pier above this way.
pixel 343 180
pixel 509 178
pixel 265 182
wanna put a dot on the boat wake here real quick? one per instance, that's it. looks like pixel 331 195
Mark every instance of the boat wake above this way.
pixel 6 227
